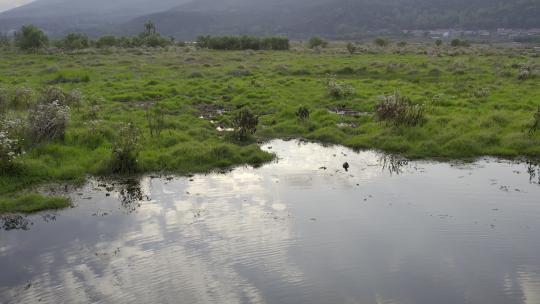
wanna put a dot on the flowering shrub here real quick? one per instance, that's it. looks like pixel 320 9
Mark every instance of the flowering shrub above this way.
pixel 48 121
pixel 9 149
pixel 338 89
pixel 126 150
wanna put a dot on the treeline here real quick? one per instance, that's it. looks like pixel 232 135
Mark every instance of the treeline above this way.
pixel 30 38
pixel 243 43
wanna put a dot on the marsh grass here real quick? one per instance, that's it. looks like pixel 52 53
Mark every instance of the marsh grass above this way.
pixel 400 110
pixel 455 123
pixel 31 203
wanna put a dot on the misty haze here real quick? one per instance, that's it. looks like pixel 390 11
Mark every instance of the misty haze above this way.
pixel 270 151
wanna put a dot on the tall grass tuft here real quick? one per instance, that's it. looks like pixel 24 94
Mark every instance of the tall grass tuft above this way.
pixel 125 150
pixel 536 122
pixel 399 110
pixel 245 124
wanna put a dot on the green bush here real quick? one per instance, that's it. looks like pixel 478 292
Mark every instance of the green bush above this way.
pixel 457 43
pixel 381 42
pixel 243 43
pixel 302 113
pixel 245 123
pixel 106 41
pixel 317 42
pixel 74 41
pixel 30 38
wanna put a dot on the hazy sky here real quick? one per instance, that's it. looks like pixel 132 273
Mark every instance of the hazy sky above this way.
pixel 7 4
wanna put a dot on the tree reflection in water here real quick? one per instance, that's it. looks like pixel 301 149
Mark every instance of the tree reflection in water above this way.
pixel 131 195
pixel 533 168
pixel 393 163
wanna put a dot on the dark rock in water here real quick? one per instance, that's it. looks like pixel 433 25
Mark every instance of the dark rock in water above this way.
pixel 346 166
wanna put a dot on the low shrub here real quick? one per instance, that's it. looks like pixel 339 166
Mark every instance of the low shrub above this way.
pixel 196 74
pixel 302 113
pixel 457 43
pixel 4 100
pixel 245 123
pixel 125 150
pixel 526 71
pixel 315 42
pixel 74 98
pixel 399 110
pixel 243 43
pixel 381 42
pixel 338 89
pixel 22 98
pixel 51 94
pixel 481 93
pixel 240 73
pixel 74 41
pixel 47 122
pixel 9 150
pixel 536 122
pixel 351 48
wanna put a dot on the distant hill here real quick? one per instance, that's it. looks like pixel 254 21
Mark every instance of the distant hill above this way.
pixel 60 16
pixel 339 18
pixel 295 18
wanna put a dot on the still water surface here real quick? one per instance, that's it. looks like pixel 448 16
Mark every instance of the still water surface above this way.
pixel 298 230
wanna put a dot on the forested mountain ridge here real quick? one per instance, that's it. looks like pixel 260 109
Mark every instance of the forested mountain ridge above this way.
pixel 295 18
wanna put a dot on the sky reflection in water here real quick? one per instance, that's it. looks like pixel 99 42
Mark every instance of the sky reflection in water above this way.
pixel 299 230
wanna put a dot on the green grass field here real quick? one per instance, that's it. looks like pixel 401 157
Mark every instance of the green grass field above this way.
pixel 474 105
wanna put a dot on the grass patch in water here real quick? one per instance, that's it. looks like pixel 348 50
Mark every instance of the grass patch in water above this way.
pixel 30 203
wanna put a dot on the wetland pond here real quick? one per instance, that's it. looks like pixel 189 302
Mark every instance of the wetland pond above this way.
pixel 298 230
